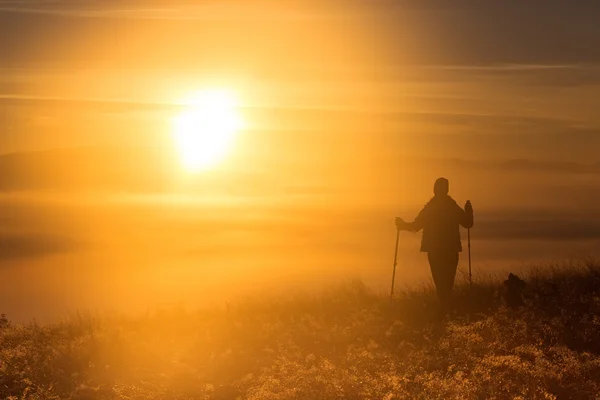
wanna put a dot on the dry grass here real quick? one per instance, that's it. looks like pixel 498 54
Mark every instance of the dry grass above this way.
pixel 347 343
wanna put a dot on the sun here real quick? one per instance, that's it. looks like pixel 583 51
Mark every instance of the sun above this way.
pixel 206 130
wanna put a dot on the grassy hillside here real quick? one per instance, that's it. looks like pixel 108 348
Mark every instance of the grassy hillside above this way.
pixel 348 343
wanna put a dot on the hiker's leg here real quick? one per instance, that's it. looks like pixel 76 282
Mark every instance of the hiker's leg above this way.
pixel 449 269
pixel 437 272
pixel 443 270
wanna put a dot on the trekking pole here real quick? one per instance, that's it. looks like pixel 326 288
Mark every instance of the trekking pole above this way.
pixel 395 262
pixel 469 242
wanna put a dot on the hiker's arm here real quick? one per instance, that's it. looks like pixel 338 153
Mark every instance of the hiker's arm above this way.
pixel 466 215
pixel 414 226
pixel 419 222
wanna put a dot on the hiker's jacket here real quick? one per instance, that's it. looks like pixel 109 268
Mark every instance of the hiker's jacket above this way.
pixel 440 220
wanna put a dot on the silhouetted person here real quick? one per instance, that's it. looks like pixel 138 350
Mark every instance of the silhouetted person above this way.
pixel 440 220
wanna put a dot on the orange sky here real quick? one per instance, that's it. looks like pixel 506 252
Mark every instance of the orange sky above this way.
pixel 351 108
pixel 436 69
pixel 338 95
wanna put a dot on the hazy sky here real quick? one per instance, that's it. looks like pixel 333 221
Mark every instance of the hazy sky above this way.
pixel 324 85
pixel 366 100
pixel 490 69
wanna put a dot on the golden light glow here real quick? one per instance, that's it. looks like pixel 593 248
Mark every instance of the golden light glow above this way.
pixel 206 130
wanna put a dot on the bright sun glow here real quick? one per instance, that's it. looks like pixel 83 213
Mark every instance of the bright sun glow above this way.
pixel 206 130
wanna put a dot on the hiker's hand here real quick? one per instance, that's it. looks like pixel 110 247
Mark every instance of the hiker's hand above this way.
pixel 400 224
pixel 468 206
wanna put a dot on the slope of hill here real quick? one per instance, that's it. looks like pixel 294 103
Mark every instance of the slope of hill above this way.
pixel 345 344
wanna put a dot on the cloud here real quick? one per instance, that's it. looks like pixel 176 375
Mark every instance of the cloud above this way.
pixel 153 10
pixel 396 33
pixel 97 105
pixel 21 246
pixel 469 135
pixel 556 227
pixel 149 170
pixel 515 75
pixel 516 165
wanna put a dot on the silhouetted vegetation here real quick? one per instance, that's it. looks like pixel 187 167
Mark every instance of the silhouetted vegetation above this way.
pixel 348 343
